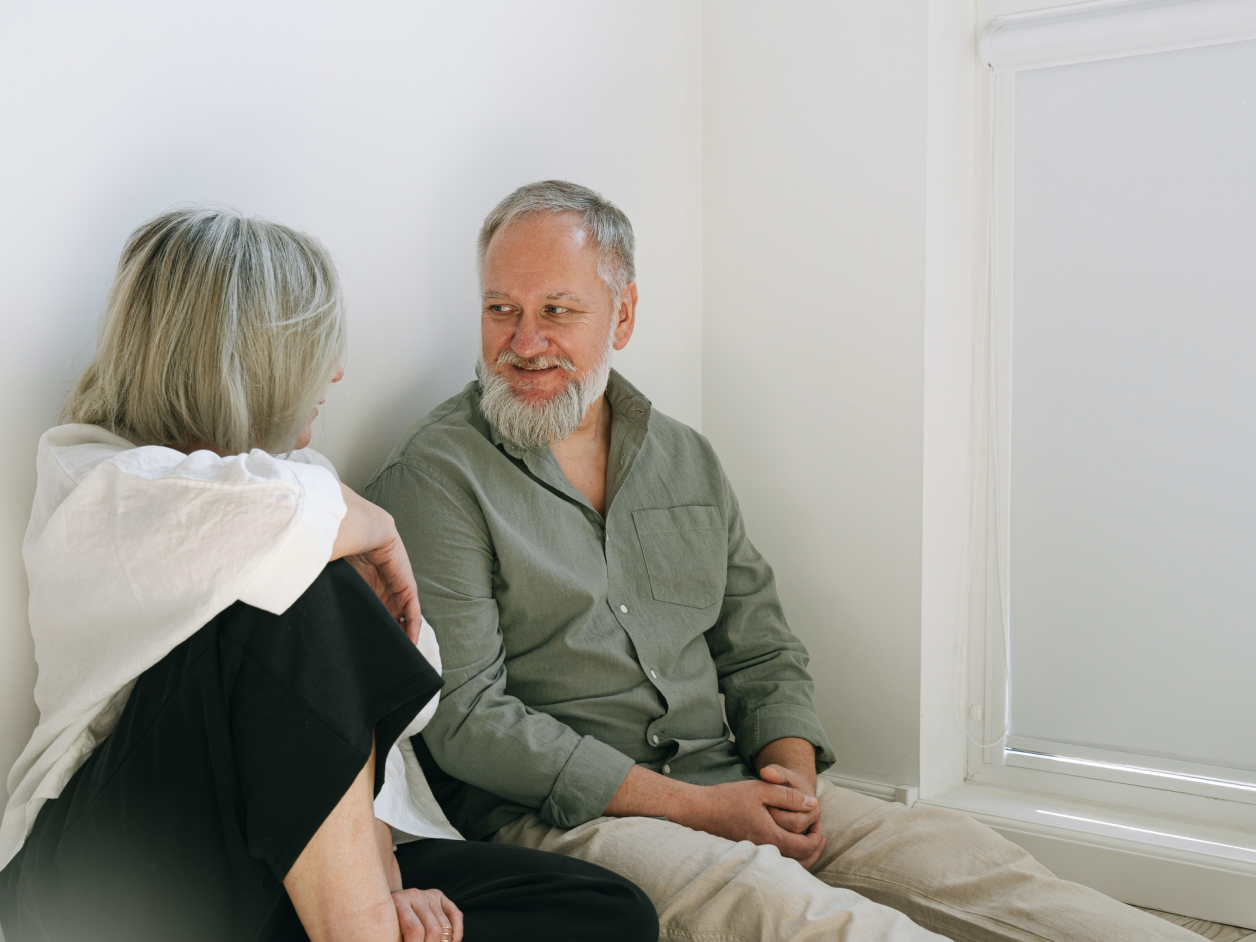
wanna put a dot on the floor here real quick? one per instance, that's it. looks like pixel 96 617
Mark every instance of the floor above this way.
pixel 1209 930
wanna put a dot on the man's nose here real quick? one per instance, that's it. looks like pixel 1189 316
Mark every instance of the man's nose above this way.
pixel 529 339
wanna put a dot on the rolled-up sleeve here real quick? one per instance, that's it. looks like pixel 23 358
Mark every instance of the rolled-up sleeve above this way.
pixel 481 734
pixel 762 666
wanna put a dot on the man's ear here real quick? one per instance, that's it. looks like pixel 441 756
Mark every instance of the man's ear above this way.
pixel 626 316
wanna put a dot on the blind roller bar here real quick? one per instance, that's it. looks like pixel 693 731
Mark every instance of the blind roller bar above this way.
pixel 1111 29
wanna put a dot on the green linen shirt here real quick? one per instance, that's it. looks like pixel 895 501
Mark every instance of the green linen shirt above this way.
pixel 575 645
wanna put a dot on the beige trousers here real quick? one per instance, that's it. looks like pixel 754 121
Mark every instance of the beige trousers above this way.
pixel 883 864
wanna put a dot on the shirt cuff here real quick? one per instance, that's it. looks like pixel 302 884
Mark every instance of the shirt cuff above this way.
pixel 775 721
pixel 586 785
pixel 305 549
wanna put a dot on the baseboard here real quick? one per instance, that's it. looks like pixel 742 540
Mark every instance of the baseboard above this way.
pixel 875 789
pixel 1169 864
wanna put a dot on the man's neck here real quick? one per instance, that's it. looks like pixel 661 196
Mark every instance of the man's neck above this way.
pixel 585 453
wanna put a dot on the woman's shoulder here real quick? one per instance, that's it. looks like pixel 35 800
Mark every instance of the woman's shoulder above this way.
pixel 78 449
pixel 69 454
pixel 309 456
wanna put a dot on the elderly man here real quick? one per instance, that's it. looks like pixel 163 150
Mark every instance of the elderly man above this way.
pixel 586 566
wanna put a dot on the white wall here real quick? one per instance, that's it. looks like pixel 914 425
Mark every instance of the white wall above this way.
pixel 838 338
pixel 386 129
pixel 821 152
pixel 814 267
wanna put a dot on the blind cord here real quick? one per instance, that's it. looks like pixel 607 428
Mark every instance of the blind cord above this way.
pixel 985 423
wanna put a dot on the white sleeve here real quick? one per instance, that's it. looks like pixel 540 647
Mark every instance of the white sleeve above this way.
pixel 151 544
pixel 406 803
pixel 304 548
pixel 430 649
pixel 266 524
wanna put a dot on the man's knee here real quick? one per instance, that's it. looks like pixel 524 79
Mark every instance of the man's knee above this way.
pixel 866 834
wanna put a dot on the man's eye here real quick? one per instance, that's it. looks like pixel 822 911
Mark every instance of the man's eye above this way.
pixel 499 308
pixel 558 310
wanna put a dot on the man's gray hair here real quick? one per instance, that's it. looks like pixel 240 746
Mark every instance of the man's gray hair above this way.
pixel 605 223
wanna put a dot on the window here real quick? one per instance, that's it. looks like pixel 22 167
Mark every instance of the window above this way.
pixel 1123 368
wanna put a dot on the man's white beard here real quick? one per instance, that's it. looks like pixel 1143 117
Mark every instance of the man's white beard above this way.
pixel 528 425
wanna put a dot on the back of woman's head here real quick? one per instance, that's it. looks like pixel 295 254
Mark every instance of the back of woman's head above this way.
pixel 220 330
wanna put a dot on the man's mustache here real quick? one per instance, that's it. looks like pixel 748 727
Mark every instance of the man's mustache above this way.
pixel 508 357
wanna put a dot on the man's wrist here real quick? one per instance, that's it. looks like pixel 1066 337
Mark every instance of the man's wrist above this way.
pixel 793 753
pixel 648 794
pixel 691 806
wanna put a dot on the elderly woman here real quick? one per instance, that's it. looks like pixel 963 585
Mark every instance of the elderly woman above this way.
pixel 229 645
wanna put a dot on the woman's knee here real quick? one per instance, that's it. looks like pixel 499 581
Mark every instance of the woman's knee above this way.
pixel 338 621
pixel 606 899
pixel 636 919
pixel 518 892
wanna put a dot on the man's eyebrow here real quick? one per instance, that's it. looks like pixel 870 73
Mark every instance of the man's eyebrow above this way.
pixel 556 296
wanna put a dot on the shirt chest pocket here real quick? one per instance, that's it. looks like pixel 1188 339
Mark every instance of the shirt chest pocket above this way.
pixel 686 554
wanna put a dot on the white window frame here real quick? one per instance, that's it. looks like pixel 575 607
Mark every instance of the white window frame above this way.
pixel 1146 830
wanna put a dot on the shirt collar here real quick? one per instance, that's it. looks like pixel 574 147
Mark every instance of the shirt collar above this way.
pixel 626 400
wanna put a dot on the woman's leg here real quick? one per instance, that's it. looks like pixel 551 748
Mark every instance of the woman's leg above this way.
pixel 522 895
pixel 230 756
pixel 338 884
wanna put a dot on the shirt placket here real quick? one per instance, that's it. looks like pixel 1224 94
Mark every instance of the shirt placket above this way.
pixel 627 434
pixel 628 610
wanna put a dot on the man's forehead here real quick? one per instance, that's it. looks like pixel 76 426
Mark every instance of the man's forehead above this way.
pixel 533 243
pixel 543 257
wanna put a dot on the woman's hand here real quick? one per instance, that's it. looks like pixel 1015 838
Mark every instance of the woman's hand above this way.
pixel 368 540
pixel 427 916
pixel 422 915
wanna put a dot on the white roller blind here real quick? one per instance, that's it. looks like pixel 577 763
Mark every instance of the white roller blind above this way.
pixel 1132 541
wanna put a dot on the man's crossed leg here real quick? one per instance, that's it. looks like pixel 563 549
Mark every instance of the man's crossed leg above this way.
pixel 952 876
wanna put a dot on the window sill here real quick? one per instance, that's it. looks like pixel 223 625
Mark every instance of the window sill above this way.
pixel 1157 860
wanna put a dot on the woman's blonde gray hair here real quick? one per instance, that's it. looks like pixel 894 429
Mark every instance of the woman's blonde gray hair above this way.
pixel 221 329
pixel 605 223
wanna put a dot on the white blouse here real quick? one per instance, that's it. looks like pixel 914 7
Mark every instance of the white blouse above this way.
pixel 129 552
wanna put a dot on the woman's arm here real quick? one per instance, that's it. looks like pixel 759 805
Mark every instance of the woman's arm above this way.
pixel 368 540
pixel 428 915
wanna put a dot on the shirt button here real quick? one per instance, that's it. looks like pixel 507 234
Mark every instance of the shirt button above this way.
pixel 654 675
pixel 656 740
pixel 667 770
pixel 624 609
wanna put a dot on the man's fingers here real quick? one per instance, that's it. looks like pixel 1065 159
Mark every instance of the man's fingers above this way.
pixel 779 775
pixel 793 821
pixel 800 846
pixel 806 847
pixel 774 775
pixel 810 862
pixel 789 799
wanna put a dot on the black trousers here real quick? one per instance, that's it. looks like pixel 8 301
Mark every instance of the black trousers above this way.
pixel 229 755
